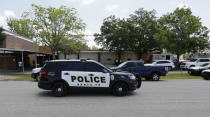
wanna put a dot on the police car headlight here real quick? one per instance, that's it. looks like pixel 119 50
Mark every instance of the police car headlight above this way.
pixel 132 77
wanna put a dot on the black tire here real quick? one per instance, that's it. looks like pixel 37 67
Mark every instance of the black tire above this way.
pixel 139 82
pixel 120 89
pixel 60 89
pixel 155 77
pixel 37 78
pixel 206 78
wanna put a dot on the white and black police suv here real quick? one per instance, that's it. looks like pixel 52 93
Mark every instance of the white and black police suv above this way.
pixel 62 75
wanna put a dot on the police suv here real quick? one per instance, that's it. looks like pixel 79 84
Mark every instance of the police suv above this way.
pixel 62 75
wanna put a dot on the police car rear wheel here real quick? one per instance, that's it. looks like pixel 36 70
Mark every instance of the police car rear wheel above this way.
pixel 120 89
pixel 60 89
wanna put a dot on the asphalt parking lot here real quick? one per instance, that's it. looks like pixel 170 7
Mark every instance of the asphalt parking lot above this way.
pixel 168 98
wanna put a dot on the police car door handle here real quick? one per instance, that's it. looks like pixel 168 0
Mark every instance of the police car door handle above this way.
pixel 66 73
pixel 90 75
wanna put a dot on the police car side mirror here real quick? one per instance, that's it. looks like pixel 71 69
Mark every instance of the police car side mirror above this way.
pixel 125 66
pixel 105 71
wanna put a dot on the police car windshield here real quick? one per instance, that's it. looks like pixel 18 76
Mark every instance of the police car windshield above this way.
pixel 109 70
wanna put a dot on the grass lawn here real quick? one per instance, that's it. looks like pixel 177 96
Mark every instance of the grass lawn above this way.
pixel 19 77
pixel 180 76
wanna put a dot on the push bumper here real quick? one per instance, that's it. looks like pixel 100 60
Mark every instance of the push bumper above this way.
pixel 134 85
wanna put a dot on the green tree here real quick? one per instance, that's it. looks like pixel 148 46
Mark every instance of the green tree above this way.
pixel 114 35
pixel 94 48
pixel 181 32
pixel 71 46
pixel 143 28
pixel 51 25
pixel 23 27
pixel 2 35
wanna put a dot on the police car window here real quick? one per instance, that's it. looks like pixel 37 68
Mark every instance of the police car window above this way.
pixel 75 66
pixel 93 67
pixel 53 66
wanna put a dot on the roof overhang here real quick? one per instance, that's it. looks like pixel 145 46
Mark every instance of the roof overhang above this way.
pixel 10 51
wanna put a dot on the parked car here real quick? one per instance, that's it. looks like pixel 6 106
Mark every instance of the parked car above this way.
pixel 198 70
pixel 166 63
pixel 61 75
pixel 154 57
pixel 35 73
pixel 206 74
pixel 140 70
pixel 194 63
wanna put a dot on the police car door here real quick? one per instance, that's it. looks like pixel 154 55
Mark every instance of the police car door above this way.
pixel 86 74
pixel 97 75
pixel 73 73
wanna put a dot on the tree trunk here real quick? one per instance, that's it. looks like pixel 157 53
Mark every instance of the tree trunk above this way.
pixel 139 55
pixel 58 55
pixel 119 58
pixel 64 55
pixel 177 63
pixel 53 54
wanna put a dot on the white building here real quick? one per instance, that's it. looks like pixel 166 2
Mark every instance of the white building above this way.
pixel 105 57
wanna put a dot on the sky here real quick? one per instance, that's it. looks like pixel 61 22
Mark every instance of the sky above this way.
pixel 92 12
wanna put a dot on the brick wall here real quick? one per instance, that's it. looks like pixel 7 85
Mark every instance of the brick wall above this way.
pixel 8 62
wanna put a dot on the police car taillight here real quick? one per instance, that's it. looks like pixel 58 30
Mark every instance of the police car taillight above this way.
pixel 166 68
pixel 42 74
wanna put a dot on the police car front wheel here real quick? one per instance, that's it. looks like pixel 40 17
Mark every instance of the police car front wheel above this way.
pixel 120 89
pixel 60 89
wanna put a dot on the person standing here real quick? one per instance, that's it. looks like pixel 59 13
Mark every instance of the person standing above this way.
pixel 20 66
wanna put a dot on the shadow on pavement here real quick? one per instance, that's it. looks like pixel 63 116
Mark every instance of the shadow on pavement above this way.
pixel 153 81
pixel 84 93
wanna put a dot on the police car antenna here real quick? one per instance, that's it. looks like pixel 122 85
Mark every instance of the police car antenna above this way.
pixel 83 59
